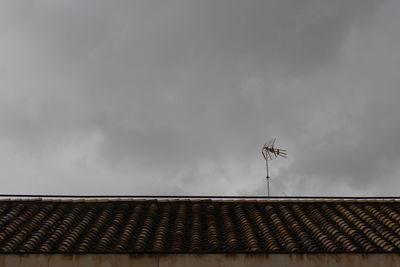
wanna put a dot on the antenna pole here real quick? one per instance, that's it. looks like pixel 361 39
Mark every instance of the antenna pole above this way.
pixel 266 164
pixel 272 152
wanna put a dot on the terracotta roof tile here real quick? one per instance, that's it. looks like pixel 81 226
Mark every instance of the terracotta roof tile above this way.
pixel 134 226
pixel 196 229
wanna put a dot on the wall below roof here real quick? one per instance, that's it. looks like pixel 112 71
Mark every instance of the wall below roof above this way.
pixel 199 260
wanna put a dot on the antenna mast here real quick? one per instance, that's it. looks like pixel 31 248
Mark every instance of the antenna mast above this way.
pixel 266 164
pixel 269 152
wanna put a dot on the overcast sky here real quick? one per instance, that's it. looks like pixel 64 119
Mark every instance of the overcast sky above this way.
pixel 178 96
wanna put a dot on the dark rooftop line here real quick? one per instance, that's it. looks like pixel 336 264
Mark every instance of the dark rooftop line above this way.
pixel 193 196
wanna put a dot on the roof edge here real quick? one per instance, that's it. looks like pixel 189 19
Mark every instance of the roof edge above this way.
pixel 172 199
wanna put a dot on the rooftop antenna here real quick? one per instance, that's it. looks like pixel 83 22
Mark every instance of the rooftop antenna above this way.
pixel 270 152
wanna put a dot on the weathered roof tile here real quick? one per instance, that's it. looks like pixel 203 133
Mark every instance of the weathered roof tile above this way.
pixel 186 226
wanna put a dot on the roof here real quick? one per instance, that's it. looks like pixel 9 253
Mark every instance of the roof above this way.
pixel 199 226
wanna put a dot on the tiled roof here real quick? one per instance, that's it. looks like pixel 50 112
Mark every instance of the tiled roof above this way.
pixel 191 226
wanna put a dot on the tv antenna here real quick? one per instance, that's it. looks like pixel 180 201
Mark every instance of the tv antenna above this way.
pixel 270 152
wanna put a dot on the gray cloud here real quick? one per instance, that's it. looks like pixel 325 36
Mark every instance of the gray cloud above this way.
pixel 178 96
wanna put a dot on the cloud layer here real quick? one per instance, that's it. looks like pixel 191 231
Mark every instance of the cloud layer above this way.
pixel 177 97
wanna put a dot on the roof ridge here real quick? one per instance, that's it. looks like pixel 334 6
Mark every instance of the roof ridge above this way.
pixel 200 200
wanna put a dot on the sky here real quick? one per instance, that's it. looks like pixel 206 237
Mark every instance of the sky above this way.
pixel 177 97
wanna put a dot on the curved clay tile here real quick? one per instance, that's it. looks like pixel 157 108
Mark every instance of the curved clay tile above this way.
pixel 196 234
pixel 285 237
pixel 56 236
pixel 129 228
pixel 246 229
pixel 146 229
pixel 206 226
pixel 298 230
pixel 72 237
pixel 160 238
pixel 107 236
pixel 91 234
pixel 232 241
pixel 179 229
pixel 267 237
pixel 212 229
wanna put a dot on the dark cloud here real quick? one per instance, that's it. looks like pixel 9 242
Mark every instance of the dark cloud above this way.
pixel 178 96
